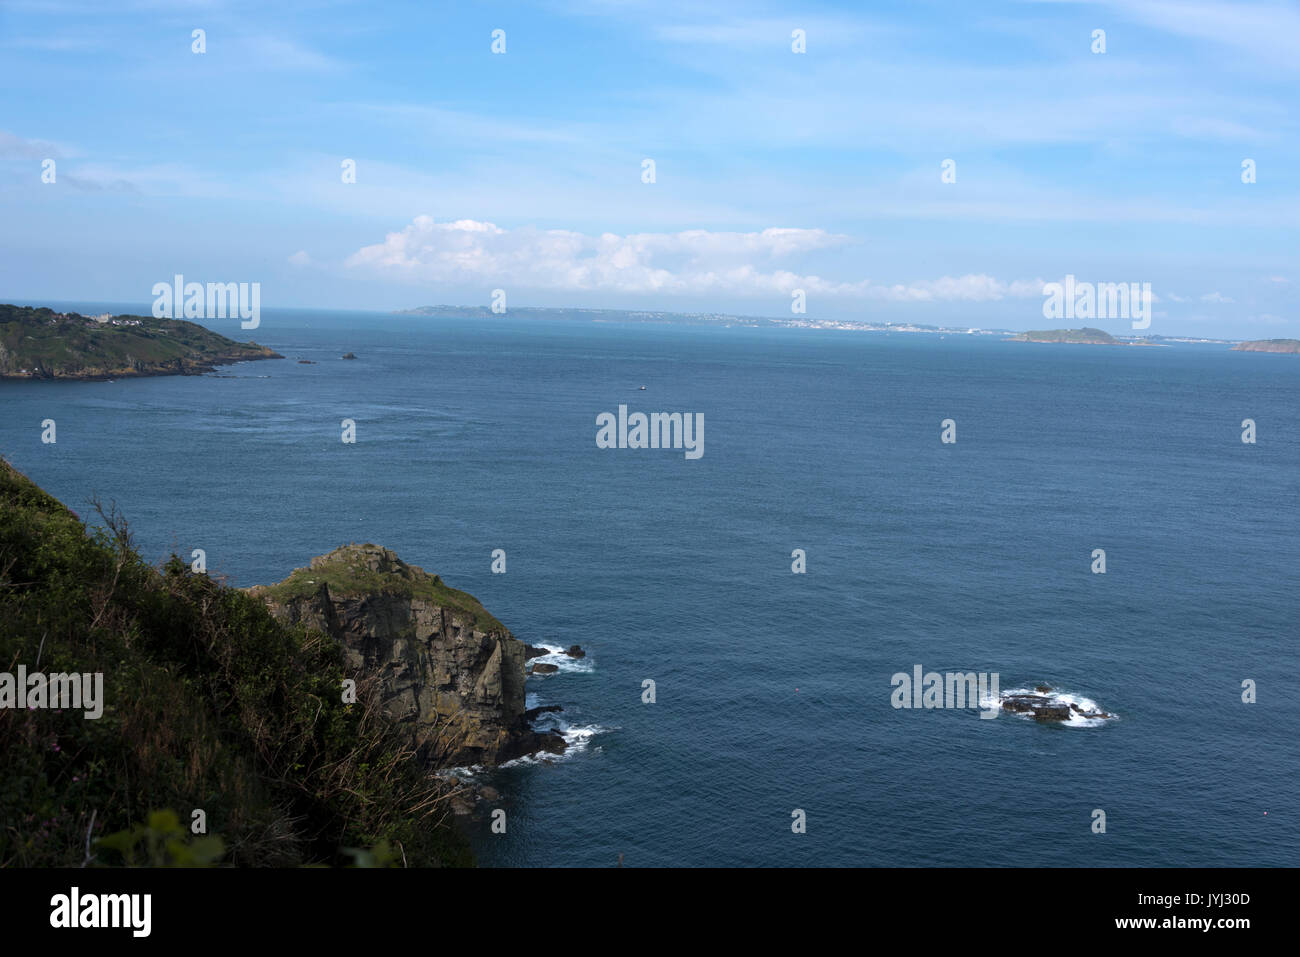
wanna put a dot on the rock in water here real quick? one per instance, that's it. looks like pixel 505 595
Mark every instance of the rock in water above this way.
pixel 575 652
pixel 1046 707
pixel 446 668
pixel 1051 712
pixel 533 714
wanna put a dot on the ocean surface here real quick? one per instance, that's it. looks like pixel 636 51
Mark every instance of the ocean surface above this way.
pixel 773 689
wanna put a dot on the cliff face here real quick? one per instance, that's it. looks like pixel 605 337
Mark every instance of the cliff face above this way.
pixel 448 671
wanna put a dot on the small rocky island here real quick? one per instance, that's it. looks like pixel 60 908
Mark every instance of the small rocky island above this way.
pixel 1085 336
pixel 1288 346
pixel 1045 703
pixel 448 672
pixel 44 344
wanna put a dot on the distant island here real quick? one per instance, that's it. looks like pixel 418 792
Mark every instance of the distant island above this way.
pixel 39 343
pixel 1290 346
pixel 1086 336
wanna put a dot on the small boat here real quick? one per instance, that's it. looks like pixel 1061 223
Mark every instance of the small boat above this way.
pixel 642 388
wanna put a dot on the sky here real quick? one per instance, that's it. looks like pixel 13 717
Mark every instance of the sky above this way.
pixel 773 170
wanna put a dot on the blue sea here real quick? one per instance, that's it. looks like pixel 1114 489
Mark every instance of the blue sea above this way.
pixel 773 689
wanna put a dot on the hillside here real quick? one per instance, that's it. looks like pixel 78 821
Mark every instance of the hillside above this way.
pixel 208 703
pixel 39 343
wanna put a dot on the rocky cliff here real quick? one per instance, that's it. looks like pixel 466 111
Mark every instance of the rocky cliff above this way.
pixel 447 669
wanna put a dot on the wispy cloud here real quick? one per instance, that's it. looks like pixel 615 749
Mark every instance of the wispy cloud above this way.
pixel 278 53
pixel 16 147
pixel 1260 30
pixel 694 262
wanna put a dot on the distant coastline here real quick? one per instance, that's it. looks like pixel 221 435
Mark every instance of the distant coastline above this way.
pixel 727 320
pixel 1285 346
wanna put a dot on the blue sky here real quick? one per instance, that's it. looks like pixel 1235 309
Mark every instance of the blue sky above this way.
pixel 774 170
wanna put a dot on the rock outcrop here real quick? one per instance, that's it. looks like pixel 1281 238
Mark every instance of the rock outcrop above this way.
pixel 1043 704
pixel 445 667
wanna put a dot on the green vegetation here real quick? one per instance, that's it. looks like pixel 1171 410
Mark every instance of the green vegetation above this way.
pixel 43 344
pixel 348 572
pixel 163 843
pixel 1086 335
pixel 208 704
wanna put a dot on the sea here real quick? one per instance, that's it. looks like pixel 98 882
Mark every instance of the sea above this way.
pixel 731 711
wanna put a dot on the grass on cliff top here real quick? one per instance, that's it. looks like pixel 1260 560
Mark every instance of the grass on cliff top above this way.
pixel 208 703
pixel 346 576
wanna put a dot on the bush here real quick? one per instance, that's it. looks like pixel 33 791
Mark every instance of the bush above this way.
pixel 209 703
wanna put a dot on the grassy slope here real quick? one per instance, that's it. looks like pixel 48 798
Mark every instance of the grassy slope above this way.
pixel 346 578
pixel 209 704
pixel 32 339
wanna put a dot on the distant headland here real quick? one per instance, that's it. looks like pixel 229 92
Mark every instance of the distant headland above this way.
pixel 1289 346
pixel 40 343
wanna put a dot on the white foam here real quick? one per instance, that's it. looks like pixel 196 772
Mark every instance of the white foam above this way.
pixel 463 774
pixel 577 739
pixel 555 655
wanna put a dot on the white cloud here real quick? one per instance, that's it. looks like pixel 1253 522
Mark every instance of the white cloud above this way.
pixel 690 262
pixel 1215 297
pixel 276 53
pixel 300 258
